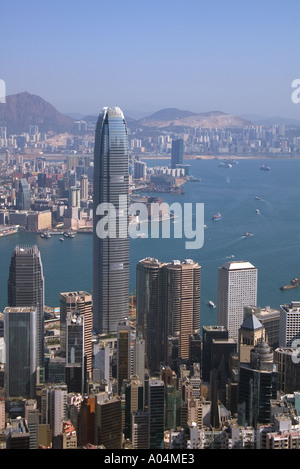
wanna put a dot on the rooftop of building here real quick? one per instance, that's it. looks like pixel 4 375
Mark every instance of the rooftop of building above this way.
pixel 238 265
pixel 251 323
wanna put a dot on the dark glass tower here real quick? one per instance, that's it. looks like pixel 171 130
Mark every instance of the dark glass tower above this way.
pixel 23 195
pixel 111 253
pixel 26 288
pixel 177 152
pixel 20 341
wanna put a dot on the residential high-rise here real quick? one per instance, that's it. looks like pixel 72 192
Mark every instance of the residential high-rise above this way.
pixel 150 325
pixel 237 287
pixel 77 302
pixel 110 246
pixel 168 305
pixel 20 342
pixel 177 152
pixel 26 288
pixel 181 295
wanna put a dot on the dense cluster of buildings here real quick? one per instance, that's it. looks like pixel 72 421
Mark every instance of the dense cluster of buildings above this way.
pixel 111 373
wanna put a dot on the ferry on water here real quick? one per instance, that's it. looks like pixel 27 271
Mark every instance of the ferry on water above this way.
pixel 265 167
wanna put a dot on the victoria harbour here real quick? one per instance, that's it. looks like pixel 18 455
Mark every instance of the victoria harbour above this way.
pixel 264 203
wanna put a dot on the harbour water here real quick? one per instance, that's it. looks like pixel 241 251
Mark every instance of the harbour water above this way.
pixel 236 193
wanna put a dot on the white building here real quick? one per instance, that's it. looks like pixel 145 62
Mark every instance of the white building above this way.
pixel 289 325
pixel 237 287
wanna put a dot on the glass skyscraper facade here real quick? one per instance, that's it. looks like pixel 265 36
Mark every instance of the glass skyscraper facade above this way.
pixel 26 288
pixel 23 195
pixel 111 252
pixel 177 152
pixel 20 340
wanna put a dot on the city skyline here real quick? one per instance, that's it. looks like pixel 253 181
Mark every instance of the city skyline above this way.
pixel 234 58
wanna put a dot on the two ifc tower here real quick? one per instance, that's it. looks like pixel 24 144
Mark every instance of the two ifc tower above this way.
pixel 110 254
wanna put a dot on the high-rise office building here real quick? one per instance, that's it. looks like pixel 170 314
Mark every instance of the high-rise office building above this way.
pixel 23 195
pixel 17 434
pixel 84 187
pixel 156 409
pixel 20 340
pixel 110 249
pixel 134 401
pixel 26 288
pixel 237 287
pixel 286 360
pixel 77 302
pixel 250 333
pixel 177 152
pixel 140 430
pixel 56 408
pixel 289 325
pixel 123 353
pixel 108 421
pixel 76 372
pixel 257 386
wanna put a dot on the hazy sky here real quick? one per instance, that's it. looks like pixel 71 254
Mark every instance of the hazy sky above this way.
pixel 235 56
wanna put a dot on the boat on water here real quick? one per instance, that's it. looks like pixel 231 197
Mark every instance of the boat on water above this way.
pixel 45 234
pixel 211 304
pixel 6 230
pixel 293 284
pixel 257 198
pixel 225 164
pixel 247 234
pixel 193 179
pixel 257 210
pixel 217 217
pixel 69 234
pixel 61 239
pixel 265 167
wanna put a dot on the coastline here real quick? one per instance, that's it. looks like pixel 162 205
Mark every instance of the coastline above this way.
pixel 215 157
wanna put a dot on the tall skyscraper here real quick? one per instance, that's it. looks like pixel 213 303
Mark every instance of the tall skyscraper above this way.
pixel 168 305
pixel 26 288
pixel 20 342
pixel 77 302
pixel 237 287
pixel 84 187
pixel 182 302
pixel 289 325
pixel 177 152
pixel 257 386
pixel 123 353
pixel 150 320
pixel 111 252
pixel 23 195
pixel 156 393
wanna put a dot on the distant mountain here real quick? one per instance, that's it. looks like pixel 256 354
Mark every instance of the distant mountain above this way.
pixel 275 120
pixel 172 117
pixel 24 109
